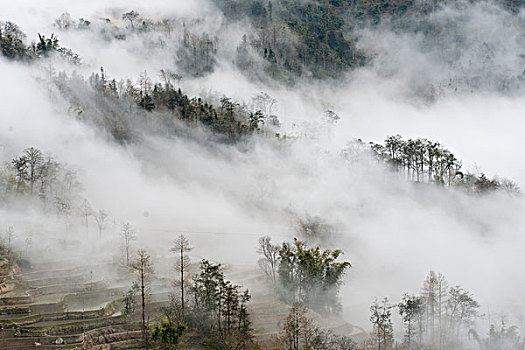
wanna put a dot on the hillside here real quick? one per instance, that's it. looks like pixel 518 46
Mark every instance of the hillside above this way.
pixel 255 174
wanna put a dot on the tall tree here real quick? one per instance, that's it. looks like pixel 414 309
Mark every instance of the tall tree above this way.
pixel 181 246
pixel 86 211
pixel 462 309
pixel 143 269
pixel 442 293
pixel 295 327
pixel 34 160
pixel 381 318
pixel 411 310
pixel 245 329
pixel 429 294
pixel 128 235
pixel 101 217
pixel 220 308
pixel 270 257
pixel 206 294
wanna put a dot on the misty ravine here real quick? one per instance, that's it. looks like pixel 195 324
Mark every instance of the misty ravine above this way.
pixel 256 174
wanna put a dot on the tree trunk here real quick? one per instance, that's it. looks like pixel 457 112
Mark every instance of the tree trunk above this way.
pixel 182 279
pixel 143 292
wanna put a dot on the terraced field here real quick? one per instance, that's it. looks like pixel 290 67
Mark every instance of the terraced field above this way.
pixel 69 305
pixel 66 305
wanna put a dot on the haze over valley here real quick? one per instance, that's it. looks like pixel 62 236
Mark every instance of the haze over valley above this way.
pixel 243 174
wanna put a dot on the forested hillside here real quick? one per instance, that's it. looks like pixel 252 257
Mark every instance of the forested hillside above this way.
pixel 319 38
pixel 292 40
pixel 230 174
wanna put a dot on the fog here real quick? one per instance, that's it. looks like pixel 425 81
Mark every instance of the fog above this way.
pixel 225 197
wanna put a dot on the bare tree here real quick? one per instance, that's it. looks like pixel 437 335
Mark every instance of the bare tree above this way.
pixel 270 260
pixel 63 209
pixel 101 217
pixel 86 211
pixel 131 16
pixel 128 235
pixel 264 102
pixel 143 268
pixel 181 246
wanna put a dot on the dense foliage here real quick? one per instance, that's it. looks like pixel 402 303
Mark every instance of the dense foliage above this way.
pixel 296 38
pixel 12 41
pixel 219 309
pixel 123 107
pixel 421 160
pixel 292 39
pixel 309 276
pixel 288 38
pixel 215 315
pixel 35 175
pixel 166 335
pixel 13 47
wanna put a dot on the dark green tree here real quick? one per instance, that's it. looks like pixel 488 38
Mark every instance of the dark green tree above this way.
pixel 45 46
pixel 310 276
pixel 411 309
pixel 12 41
pixel 219 310
pixel 167 335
